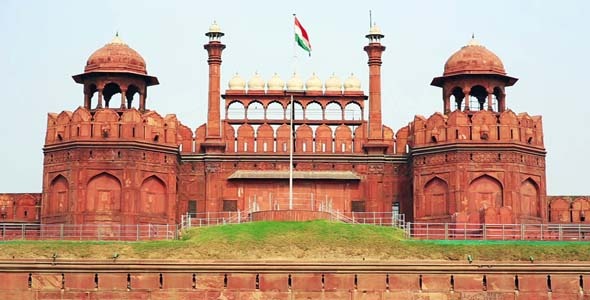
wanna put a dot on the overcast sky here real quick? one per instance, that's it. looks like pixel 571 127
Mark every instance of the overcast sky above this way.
pixel 543 43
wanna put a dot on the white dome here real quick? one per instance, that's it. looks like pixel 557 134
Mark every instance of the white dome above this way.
pixel 375 30
pixel 237 83
pixel 314 83
pixel 333 84
pixel 256 83
pixel 275 83
pixel 295 83
pixel 214 27
pixel 352 84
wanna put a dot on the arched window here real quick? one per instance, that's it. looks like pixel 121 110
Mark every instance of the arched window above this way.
pixel 255 111
pixel 298 111
pixel 457 97
pixel 131 95
pixel 478 98
pixel 275 111
pixel 109 90
pixel 313 111
pixel 236 110
pixel 333 111
pixel 353 111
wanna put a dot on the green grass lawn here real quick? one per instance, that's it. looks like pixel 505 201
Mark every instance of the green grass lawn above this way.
pixel 314 240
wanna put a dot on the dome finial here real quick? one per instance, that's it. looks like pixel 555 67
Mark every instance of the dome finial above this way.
pixel 117 40
pixel 473 35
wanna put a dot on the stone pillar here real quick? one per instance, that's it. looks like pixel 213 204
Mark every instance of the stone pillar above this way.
pixel 501 102
pixel 490 98
pixel 123 93
pixel 86 100
pixel 99 105
pixel 142 102
pixel 447 104
pixel 466 98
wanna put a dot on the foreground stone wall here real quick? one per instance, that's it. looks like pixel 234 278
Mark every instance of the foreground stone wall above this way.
pixel 235 285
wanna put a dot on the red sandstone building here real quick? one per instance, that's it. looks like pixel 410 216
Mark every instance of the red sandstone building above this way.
pixel 115 161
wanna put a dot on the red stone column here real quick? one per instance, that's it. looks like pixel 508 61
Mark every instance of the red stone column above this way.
pixel 374 51
pixel 123 92
pixel 214 49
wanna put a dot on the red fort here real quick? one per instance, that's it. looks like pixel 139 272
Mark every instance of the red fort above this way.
pixel 115 161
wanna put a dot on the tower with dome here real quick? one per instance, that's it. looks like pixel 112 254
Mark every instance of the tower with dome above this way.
pixel 115 161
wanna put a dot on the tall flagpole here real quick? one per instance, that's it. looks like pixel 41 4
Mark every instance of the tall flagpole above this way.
pixel 291 117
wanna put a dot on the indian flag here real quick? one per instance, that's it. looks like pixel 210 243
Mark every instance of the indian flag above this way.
pixel 301 37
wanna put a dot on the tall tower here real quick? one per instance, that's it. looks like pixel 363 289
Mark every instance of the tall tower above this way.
pixel 477 162
pixel 213 140
pixel 375 144
pixel 111 162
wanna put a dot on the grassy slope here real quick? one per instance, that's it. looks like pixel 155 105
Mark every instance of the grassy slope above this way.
pixel 317 240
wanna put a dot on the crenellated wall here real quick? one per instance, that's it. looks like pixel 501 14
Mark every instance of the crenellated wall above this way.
pixel 473 127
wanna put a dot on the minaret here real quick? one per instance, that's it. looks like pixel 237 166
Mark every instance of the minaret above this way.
pixel 213 140
pixel 374 50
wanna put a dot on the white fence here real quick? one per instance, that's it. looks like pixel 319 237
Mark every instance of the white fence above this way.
pixel 95 232
pixel 467 231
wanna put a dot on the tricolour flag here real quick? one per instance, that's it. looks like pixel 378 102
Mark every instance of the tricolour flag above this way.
pixel 301 37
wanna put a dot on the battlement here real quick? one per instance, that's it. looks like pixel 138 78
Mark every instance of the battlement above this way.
pixel 112 125
pixel 476 127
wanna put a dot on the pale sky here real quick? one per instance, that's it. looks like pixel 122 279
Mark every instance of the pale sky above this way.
pixel 543 43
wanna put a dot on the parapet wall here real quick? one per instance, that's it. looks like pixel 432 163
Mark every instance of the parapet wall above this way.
pixel 481 126
pixel 296 281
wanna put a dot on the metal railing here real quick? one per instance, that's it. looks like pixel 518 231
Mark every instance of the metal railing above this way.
pixel 86 232
pixel 214 218
pixel 372 218
pixel 468 231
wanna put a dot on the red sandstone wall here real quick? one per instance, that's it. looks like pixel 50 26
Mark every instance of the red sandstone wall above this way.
pixel 291 286
pixel 20 207
pixel 569 209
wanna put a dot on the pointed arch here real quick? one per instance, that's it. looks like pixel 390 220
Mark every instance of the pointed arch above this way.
pixel 530 202
pixel 353 111
pixel 235 110
pixel 109 90
pixel 581 210
pixel 275 111
pixel 436 197
pixel 304 139
pixel 58 195
pixel 265 138
pixel 255 111
pixel 103 193
pixel 153 197
pixel 323 139
pixel 343 139
pixel 333 111
pixel 283 137
pixel 314 111
pixel 245 138
pixel 484 191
